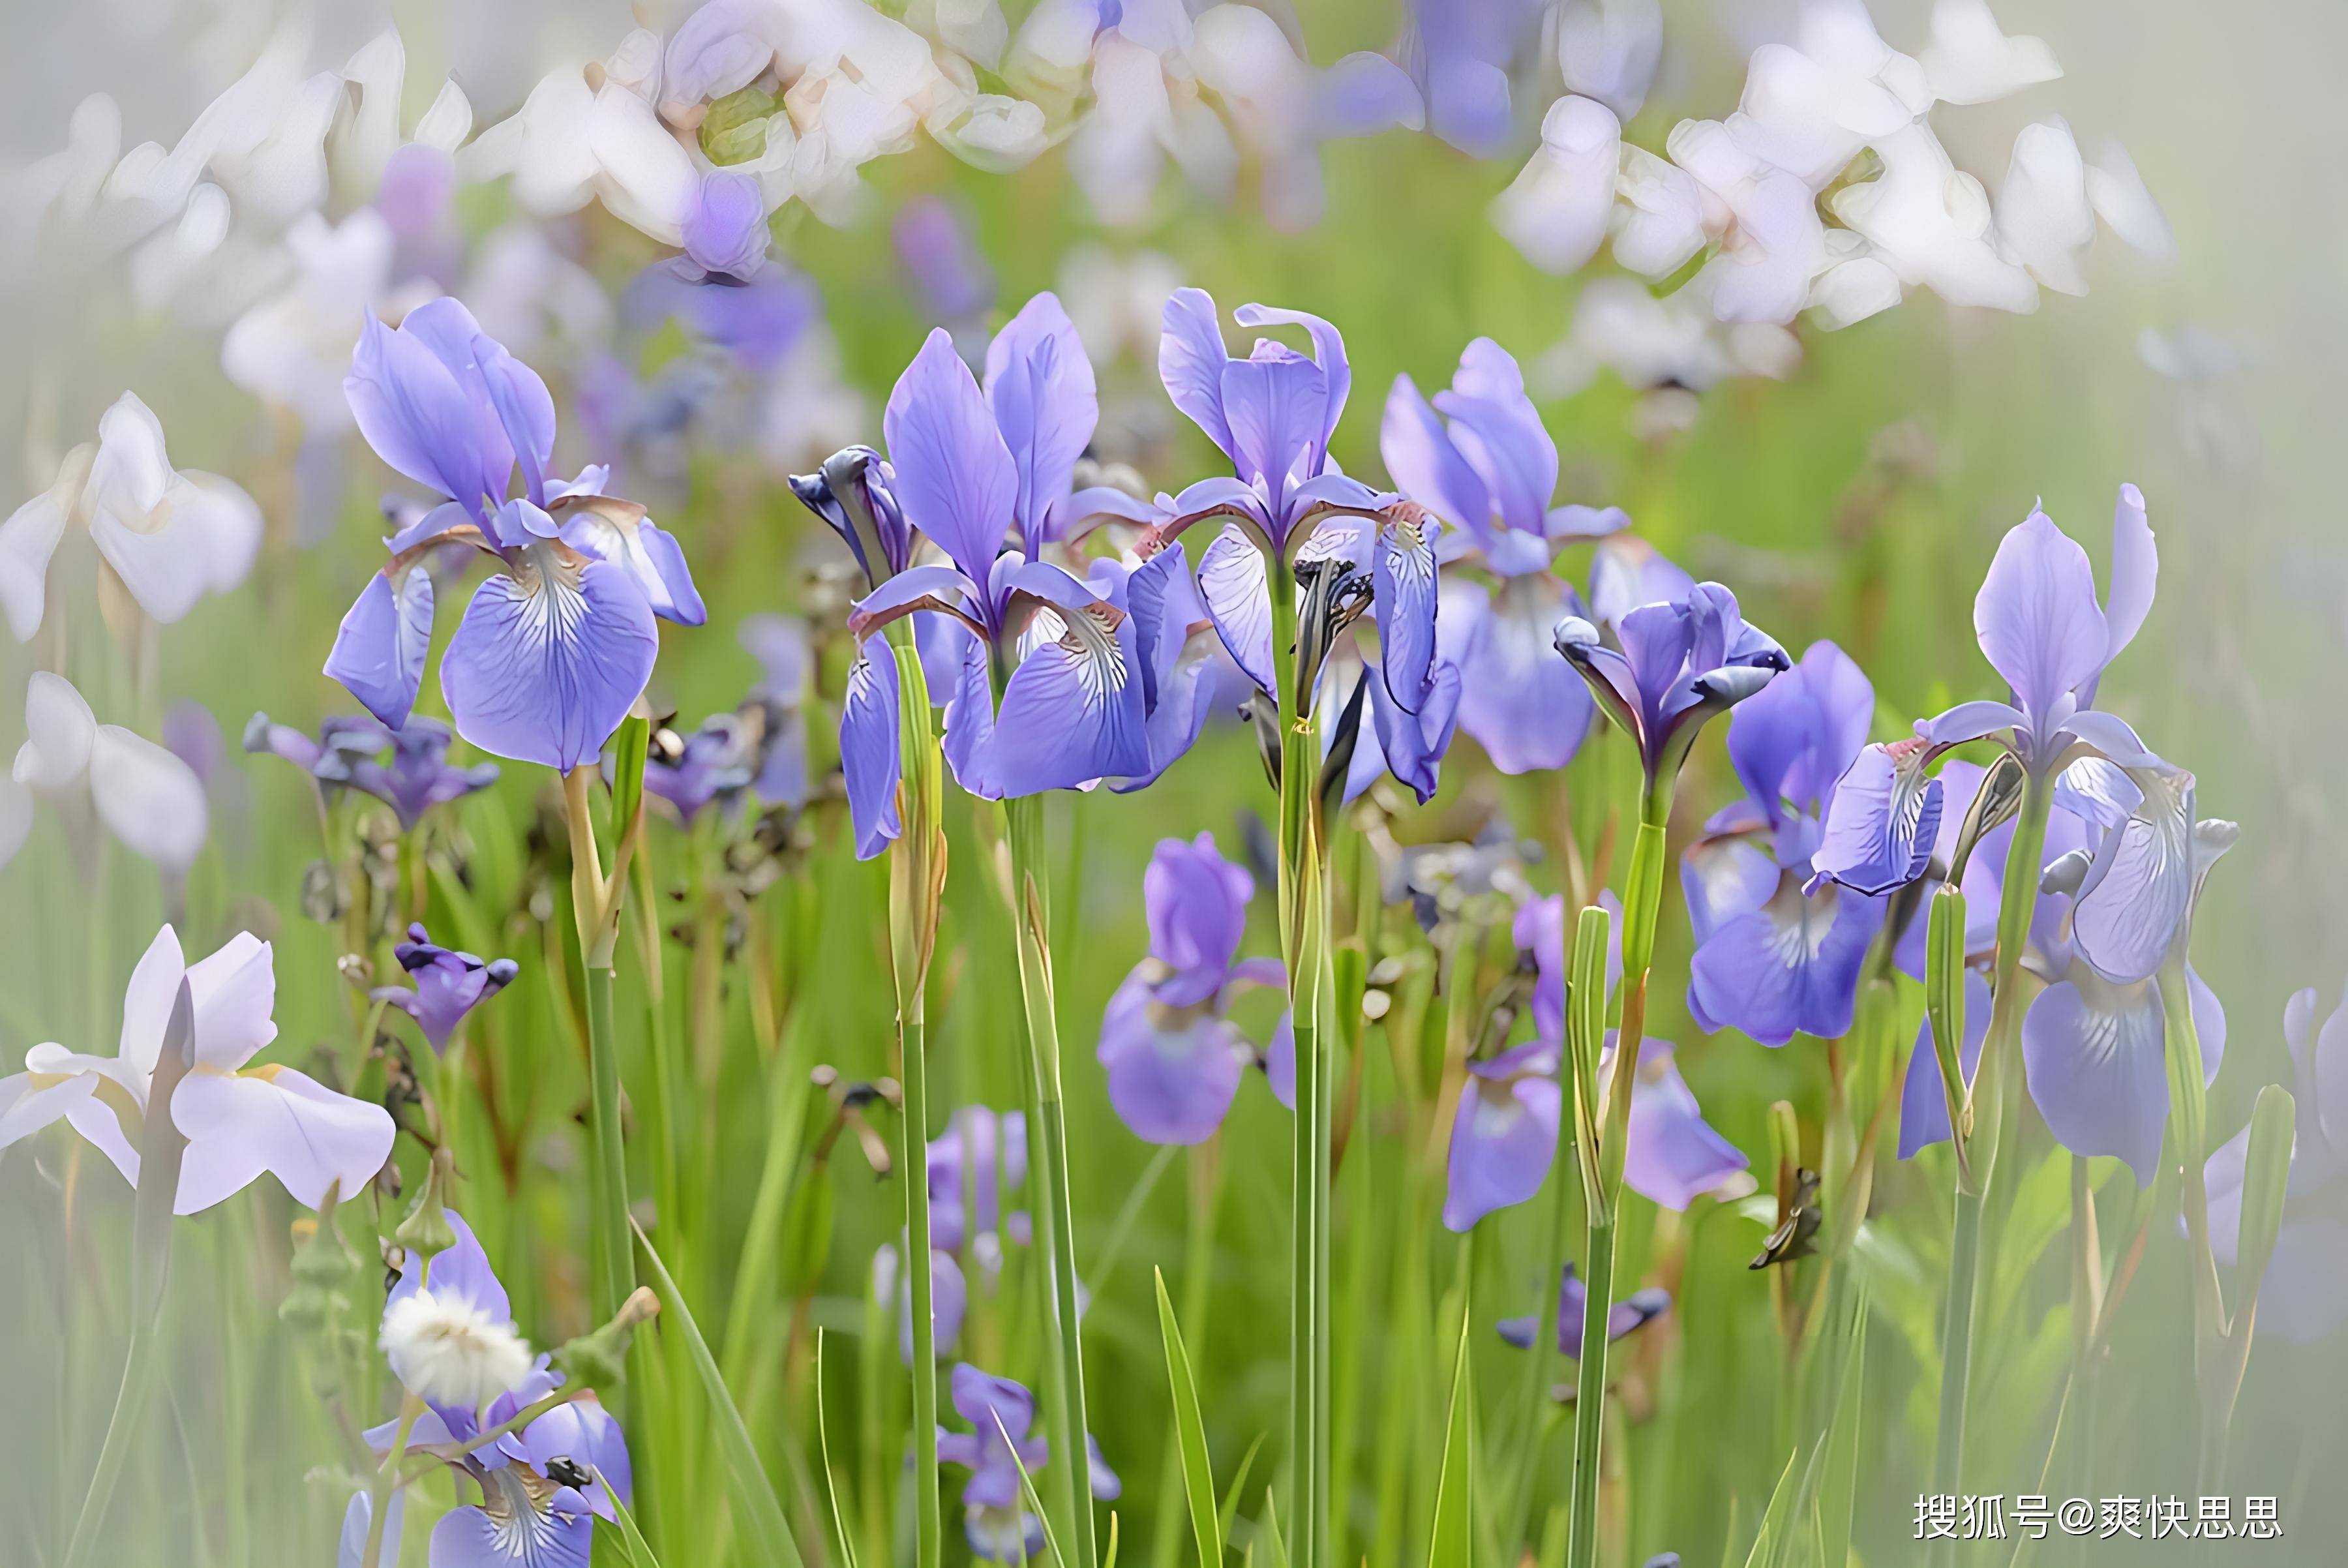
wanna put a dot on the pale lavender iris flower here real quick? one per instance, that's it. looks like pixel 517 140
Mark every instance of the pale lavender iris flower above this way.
pixel 1272 414
pixel 527 1517
pixel 979 1158
pixel 1174 1060
pixel 1504 1135
pixel 239 1120
pixel 1676 663
pixel 1631 1314
pixel 449 984
pixel 1052 689
pixel 557 645
pixel 407 768
pixel 2306 1294
pixel 1002 1414
pixel 1772 960
pixel 1480 459
pixel 1462 55
pixel 2041 627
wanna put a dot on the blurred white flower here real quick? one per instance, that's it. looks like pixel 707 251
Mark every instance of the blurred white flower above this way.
pixel 1971 60
pixel 1118 302
pixel 293 349
pixel 2117 193
pixel 1676 340
pixel 1557 208
pixel 2043 215
pixel 171 536
pixel 1607 50
pixel 1930 222
pixel 527 295
pixel 1763 218
pixel 149 799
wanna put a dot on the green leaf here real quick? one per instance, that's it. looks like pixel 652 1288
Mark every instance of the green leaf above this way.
pixel 753 1491
pixel 1035 1504
pixel 2266 1173
pixel 1277 1553
pixel 639 1552
pixel 629 746
pixel 1230 1506
pixel 823 1456
pixel 1189 1435
pixel 1777 1521
pixel 1451 1545
pixel 1109 1561
pixel 1839 1490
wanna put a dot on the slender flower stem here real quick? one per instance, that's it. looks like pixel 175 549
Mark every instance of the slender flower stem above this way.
pixel 1977 1156
pixel 386 1473
pixel 1602 1166
pixel 2189 1138
pixel 613 1253
pixel 1024 824
pixel 917 873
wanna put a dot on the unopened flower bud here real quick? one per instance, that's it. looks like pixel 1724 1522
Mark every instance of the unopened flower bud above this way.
pixel 426 1230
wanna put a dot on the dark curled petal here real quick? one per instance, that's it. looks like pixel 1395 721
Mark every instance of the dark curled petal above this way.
pixel 2063 874
pixel 1994 804
pixel 1716 692
pixel 1343 741
pixel 1263 716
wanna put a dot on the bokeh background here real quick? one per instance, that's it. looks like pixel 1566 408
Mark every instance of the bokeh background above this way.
pixel 1858 498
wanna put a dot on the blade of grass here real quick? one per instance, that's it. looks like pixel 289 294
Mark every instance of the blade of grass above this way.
pixel 1230 1506
pixel 1451 1545
pixel 1034 1502
pixel 823 1453
pixel 752 1488
pixel 1190 1434
pixel 640 1552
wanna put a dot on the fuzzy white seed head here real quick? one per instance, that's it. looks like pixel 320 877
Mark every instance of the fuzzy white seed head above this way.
pixel 450 1351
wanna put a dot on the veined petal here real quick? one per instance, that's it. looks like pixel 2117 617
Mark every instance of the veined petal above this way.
pixel 378 653
pixel 1276 408
pixel 2092 1054
pixel 953 474
pixel 1880 826
pixel 1328 352
pixel 547 662
pixel 2139 888
pixel 1072 711
pixel 1971 721
pixel 514 1528
pixel 1233 581
pixel 2037 615
pixel 1403 583
pixel 1791 965
pixel 619 532
pixel 868 737
pixel 1413 743
pixel 275 1120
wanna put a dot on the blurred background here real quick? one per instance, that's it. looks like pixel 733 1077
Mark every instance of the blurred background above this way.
pixel 1854 490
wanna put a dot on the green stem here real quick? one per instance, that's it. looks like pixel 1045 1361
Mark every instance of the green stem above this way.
pixel 914 1152
pixel 380 1492
pixel 1197 1298
pixel 1603 1169
pixel 1977 1150
pixel 1590 1399
pixel 615 1276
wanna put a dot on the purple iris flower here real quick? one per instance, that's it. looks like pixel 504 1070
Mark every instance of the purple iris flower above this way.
pixel 1504 1136
pixel 2305 1296
pixel 1002 1413
pixel 527 1518
pixel 979 1158
pixel 972 467
pixel 1772 960
pixel 554 647
pixel 757 317
pixel 1272 415
pixel 2040 626
pixel 449 984
pixel 1174 1060
pixel 949 1299
pixel 2093 1045
pixel 1492 471
pixel 1680 661
pixel 1634 1312
pixel 786 657
pixel 407 768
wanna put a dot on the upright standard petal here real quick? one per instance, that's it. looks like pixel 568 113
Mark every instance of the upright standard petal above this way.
pixel 950 470
pixel 1191 360
pixel 2037 615
pixel 1039 384
pixel 548 660
pixel 1196 904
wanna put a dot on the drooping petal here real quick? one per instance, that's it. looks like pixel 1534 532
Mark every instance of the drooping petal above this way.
pixel 1523 704
pixel 1790 967
pixel 968 741
pixel 359 1518
pixel 1233 581
pixel 278 1120
pixel 2139 888
pixel 869 735
pixel 545 665
pixel 378 653
pixel 952 472
pixel 1413 743
pixel 147 798
pixel 519 1534
pixel 1404 588
pixel 1196 903
pixel 1172 1070
pixel 59 730
pixel 1671 1155
pixel 1072 711
pixel 1880 826
pixel 1504 1136
pixel 2092 1054
pixel 2037 615
pixel 1723 880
